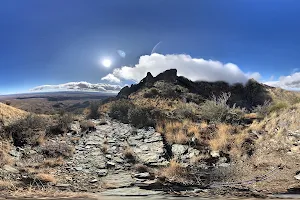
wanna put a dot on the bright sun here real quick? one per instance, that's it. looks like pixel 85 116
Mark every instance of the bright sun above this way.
pixel 106 63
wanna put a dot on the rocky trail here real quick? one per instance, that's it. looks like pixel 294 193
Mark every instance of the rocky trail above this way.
pixel 105 157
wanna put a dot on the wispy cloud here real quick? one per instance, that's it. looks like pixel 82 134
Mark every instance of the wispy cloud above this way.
pixel 195 69
pixel 79 86
pixel 287 82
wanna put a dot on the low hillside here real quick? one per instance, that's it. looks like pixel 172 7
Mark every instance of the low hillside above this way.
pixel 250 130
pixel 9 114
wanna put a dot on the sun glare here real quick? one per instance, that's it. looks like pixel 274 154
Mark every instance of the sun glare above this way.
pixel 106 63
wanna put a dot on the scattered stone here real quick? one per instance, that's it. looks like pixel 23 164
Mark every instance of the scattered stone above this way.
pixel 179 149
pixel 133 191
pixel 297 176
pixel 145 175
pixel 94 181
pixel 102 172
pixel 78 168
pixel 63 185
pixel 14 153
pixel 215 154
pixel 122 179
pixel 110 164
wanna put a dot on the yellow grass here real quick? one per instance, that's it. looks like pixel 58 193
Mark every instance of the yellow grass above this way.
pixel 53 162
pixel 222 138
pixel 9 114
pixel 45 178
pixel 175 172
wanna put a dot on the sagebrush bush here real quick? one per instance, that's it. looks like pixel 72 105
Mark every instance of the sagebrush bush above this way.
pixel 216 109
pixel 140 117
pixel 186 111
pixel 153 92
pixel 87 125
pixel 26 131
pixel 262 110
pixel 119 110
pixel 94 110
pixel 61 125
pixel 278 106
pixel 169 90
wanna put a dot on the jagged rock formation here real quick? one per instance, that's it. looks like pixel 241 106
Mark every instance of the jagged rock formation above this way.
pixel 248 95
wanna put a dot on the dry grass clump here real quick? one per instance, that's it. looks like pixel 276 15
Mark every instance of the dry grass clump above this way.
pixel 45 178
pixel 177 132
pixel 87 125
pixel 175 172
pixel 104 148
pixel 129 154
pixel 53 162
pixel 141 168
pixel 7 185
pixel 222 138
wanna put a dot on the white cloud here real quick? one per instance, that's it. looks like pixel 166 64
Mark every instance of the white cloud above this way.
pixel 79 86
pixel 196 69
pixel 111 78
pixel 287 82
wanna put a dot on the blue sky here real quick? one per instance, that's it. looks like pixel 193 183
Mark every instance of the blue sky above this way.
pixel 53 42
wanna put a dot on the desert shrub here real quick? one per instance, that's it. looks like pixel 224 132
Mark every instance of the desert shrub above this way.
pixel 94 110
pixel 262 110
pixel 216 109
pixel 141 168
pixel 186 111
pixel 278 106
pixel 140 117
pixel 129 155
pixel 169 90
pixel 8 103
pixel 61 125
pixel 195 98
pixel 153 92
pixel 57 149
pixel 87 125
pixel 175 172
pixel 119 110
pixel 26 131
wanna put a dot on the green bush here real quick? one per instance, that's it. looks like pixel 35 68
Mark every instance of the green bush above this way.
pixel 216 109
pixel 26 131
pixel 94 110
pixel 186 111
pixel 153 92
pixel 278 106
pixel 119 110
pixel 140 117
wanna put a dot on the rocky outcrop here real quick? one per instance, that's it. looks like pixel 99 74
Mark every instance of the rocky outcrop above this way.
pixel 245 95
pixel 169 76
